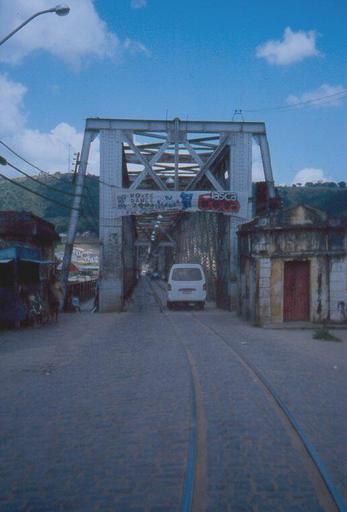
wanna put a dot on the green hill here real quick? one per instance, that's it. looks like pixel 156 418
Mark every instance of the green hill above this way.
pixel 56 188
pixel 325 196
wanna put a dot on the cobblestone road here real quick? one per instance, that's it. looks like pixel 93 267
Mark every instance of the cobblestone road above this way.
pixel 96 413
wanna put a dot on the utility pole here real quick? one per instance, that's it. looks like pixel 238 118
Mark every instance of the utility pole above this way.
pixel 81 165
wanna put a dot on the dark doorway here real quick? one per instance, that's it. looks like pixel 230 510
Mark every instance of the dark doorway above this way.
pixel 296 291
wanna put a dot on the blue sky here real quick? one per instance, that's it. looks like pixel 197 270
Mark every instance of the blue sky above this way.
pixel 192 59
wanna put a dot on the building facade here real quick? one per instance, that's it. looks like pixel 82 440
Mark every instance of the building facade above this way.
pixel 293 267
pixel 27 262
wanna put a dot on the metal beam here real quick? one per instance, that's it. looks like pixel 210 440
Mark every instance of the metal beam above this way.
pixel 211 160
pixel 194 154
pixel 176 164
pixel 147 243
pixel 213 180
pixel 159 153
pixel 146 126
pixel 144 161
pixel 266 159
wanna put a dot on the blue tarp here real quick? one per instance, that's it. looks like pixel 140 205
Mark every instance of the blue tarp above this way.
pixel 18 252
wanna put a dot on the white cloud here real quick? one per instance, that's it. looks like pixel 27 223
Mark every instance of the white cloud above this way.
pixel 309 174
pixel 12 116
pixel 324 96
pixel 80 35
pixel 138 4
pixel 134 47
pixel 48 151
pixel 294 47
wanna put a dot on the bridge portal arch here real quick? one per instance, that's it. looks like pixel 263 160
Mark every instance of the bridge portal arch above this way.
pixel 143 161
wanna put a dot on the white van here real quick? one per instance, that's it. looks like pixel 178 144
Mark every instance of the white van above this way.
pixel 186 285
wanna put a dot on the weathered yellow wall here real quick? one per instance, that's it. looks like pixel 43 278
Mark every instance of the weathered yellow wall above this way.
pixel 277 273
pixel 319 296
pixel 298 234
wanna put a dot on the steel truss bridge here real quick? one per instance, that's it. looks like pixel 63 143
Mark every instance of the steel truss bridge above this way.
pixel 169 156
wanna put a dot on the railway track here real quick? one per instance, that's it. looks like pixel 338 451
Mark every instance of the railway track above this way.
pixel 195 492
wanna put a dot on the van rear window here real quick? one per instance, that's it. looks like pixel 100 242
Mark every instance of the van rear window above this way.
pixel 186 274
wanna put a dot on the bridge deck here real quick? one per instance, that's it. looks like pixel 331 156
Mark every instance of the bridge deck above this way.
pixel 98 413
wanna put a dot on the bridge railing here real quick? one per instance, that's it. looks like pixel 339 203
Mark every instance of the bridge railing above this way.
pixel 84 290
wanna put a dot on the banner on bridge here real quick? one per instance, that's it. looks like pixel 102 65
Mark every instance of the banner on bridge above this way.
pixel 139 202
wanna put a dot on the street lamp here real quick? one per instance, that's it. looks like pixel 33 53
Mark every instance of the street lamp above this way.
pixel 60 10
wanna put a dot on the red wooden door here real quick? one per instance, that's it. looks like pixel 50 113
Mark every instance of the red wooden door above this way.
pixel 296 290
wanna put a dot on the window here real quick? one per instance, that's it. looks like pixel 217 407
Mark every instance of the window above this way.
pixel 186 274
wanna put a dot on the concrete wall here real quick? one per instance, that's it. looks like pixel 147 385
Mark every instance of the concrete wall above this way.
pixel 111 286
pixel 129 254
pixel 240 181
pixel 319 288
pixel 277 276
pixel 263 276
pixel 338 289
pixel 262 292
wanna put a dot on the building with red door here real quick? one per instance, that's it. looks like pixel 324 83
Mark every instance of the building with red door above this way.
pixel 293 267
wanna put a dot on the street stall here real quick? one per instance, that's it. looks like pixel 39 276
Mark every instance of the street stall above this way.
pixel 23 285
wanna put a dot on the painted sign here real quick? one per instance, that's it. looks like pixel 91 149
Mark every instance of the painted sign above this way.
pixel 139 202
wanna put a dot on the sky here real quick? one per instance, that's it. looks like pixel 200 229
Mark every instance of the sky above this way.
pixel 280 62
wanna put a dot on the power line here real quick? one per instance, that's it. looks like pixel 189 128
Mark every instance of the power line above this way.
pixel 46 173
pixel 27 161
pixel 89 217
pixel 37 193
pixel 40 182
pixel 337 95
pixel 83 214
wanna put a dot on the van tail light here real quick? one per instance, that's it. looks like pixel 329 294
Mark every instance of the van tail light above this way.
pixel 169 287
pixel 204 287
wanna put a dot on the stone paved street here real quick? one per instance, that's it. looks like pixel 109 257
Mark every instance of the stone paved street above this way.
pixel 96 413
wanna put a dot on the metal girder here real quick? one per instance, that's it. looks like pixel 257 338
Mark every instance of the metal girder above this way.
pixel 159 153
pixel 147 243
pixel 207 165
pixel 213 180
pixel 147 170
pixel 132 158
pixel 176 164
pixel 266 159
pixel 145 126
pixel 194 154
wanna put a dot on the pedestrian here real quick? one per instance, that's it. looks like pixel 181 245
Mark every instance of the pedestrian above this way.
pixel 75 303
pixel 96 299
pixel 55 297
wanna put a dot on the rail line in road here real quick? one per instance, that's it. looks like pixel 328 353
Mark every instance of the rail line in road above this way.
pixel 326 491
pixel 195 486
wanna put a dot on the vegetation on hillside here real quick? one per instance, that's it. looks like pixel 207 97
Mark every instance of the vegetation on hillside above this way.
pixel 57 189
pixel 331 198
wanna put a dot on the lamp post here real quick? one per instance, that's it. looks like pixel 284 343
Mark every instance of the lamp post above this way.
pixel 60 10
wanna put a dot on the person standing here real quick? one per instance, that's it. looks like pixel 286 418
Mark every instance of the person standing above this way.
pixel 55 297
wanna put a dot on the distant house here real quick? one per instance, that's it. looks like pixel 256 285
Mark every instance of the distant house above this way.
pixel 293 267
pixel 73 268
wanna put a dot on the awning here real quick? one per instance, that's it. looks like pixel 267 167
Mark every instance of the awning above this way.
pixel 23 253
pixel 41 262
